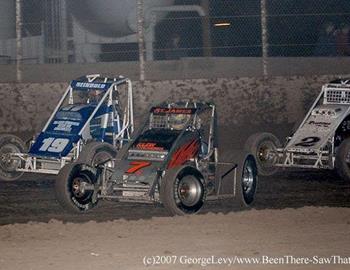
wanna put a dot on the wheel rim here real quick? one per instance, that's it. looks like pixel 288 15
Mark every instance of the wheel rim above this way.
pixel 79 194
pixel 7 163
pixel 264 154
pixel 248 178
pixel 189 191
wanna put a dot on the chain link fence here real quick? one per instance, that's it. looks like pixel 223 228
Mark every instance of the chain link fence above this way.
pixel 220 31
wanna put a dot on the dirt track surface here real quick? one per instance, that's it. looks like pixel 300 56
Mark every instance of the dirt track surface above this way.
pixel 118 236
pixel 298 213
pixel 32 198
pixel 313 234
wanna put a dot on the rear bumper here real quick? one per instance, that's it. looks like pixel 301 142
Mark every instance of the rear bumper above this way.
pixel 296 158
pixel 33 164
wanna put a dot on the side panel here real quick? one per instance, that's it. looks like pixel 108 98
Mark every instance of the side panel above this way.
pixel 53 145
pixel 186 148
pixel 318 128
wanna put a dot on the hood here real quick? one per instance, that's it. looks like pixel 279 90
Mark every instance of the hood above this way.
pixel 156 140
pixel 63 131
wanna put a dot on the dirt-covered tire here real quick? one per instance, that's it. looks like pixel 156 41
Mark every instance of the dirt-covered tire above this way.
pixel 68 188
pixel 342 160
pixel 8 167
pixel 96 152
pixel 182 191
pixel 247 180
pixel 262 146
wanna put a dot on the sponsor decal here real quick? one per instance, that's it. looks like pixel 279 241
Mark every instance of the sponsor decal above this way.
pixel 79 85
pixel 90 85
pixel 158 110
pixel 81 206
pixel 73 108
pixel 319 124
pixel 149 146
pixel 65 126
pixel 184 154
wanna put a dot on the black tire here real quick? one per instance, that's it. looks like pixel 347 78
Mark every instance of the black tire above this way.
pixel 342 160
pixel 173 189
pixel 67 188
pixel 261 145
pixel 95 153
pixel 8 167
pixel 247 180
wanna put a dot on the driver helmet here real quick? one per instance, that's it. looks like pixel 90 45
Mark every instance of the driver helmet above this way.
pixel 95 95
pixel 178 121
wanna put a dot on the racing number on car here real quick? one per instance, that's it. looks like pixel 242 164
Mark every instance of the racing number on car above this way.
pixel 54 145
pixel 137 165
pixel 308 141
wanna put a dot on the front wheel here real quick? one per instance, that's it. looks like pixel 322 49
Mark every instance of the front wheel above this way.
pixel 182 191
pixel 10 144
pixel 75 187
pixel 248 179
pixel 263 146
pixel 342 160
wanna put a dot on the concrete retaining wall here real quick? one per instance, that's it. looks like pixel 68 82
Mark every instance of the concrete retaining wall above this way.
pixel 241 101
pixel 186 68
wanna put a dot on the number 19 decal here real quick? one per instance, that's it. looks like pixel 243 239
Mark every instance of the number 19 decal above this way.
pixel 54 145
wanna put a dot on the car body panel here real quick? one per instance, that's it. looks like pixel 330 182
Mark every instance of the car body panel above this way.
pixel 319 126
pixel 91 109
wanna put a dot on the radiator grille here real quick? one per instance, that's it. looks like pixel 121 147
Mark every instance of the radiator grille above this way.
pixel 169 121
pixel 337 96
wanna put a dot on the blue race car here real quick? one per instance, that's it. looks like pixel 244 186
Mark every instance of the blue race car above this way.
pixel 91 122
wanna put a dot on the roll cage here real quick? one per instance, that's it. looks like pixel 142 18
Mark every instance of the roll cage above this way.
pixel 166 115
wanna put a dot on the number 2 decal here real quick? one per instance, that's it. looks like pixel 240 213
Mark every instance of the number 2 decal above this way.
pixel 308 141
pixel 54 145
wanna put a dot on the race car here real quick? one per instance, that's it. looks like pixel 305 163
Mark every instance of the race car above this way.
pixel 172 159
pixel 321 141
pixel 92 120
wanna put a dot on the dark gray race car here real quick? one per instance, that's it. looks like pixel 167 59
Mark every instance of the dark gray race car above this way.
pixel 172 159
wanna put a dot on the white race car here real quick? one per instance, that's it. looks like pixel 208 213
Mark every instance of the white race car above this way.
pixel 322 140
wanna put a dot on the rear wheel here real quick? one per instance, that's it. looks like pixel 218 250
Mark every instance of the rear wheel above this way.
pixel 95 153
pixel 263 146
pixel 10 144
pixel 342 160
pixel 182 191
pixel 73 187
